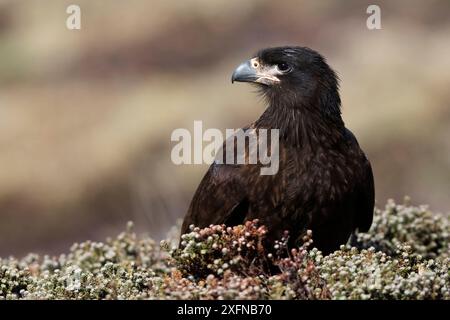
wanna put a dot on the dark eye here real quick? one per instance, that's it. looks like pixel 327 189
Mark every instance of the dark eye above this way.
pixel 283 67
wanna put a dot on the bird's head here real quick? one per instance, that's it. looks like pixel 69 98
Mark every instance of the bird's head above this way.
pixel 293 77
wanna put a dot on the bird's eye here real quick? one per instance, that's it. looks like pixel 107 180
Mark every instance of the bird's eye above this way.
pixel 283 67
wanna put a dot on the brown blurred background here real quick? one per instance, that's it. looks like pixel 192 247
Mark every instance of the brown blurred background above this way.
pixel 86 116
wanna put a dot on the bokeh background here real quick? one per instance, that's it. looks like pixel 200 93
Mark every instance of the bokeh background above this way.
pixel 86 116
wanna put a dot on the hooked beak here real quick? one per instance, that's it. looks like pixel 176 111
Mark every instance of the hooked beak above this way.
pixel 252 71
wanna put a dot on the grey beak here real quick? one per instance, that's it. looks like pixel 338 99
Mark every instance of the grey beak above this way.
pixel 244 73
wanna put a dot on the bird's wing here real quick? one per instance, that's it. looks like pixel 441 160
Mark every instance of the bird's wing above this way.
pixel 366 199
pixel 365 188
pixel 220 198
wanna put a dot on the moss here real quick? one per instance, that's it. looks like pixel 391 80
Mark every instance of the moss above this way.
pixel 405 255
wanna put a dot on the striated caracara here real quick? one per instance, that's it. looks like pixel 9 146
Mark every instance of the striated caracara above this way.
pixel 324 182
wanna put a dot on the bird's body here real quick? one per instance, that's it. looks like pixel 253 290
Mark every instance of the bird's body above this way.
pixel 324 182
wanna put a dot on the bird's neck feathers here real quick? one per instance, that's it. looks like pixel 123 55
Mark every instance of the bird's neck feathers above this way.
pixel 305 122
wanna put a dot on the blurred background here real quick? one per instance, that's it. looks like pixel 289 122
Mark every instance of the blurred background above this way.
pixel 86 116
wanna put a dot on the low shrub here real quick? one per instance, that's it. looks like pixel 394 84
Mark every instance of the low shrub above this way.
pixel 405 255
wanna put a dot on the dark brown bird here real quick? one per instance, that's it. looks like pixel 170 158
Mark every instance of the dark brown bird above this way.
pixel 324 182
